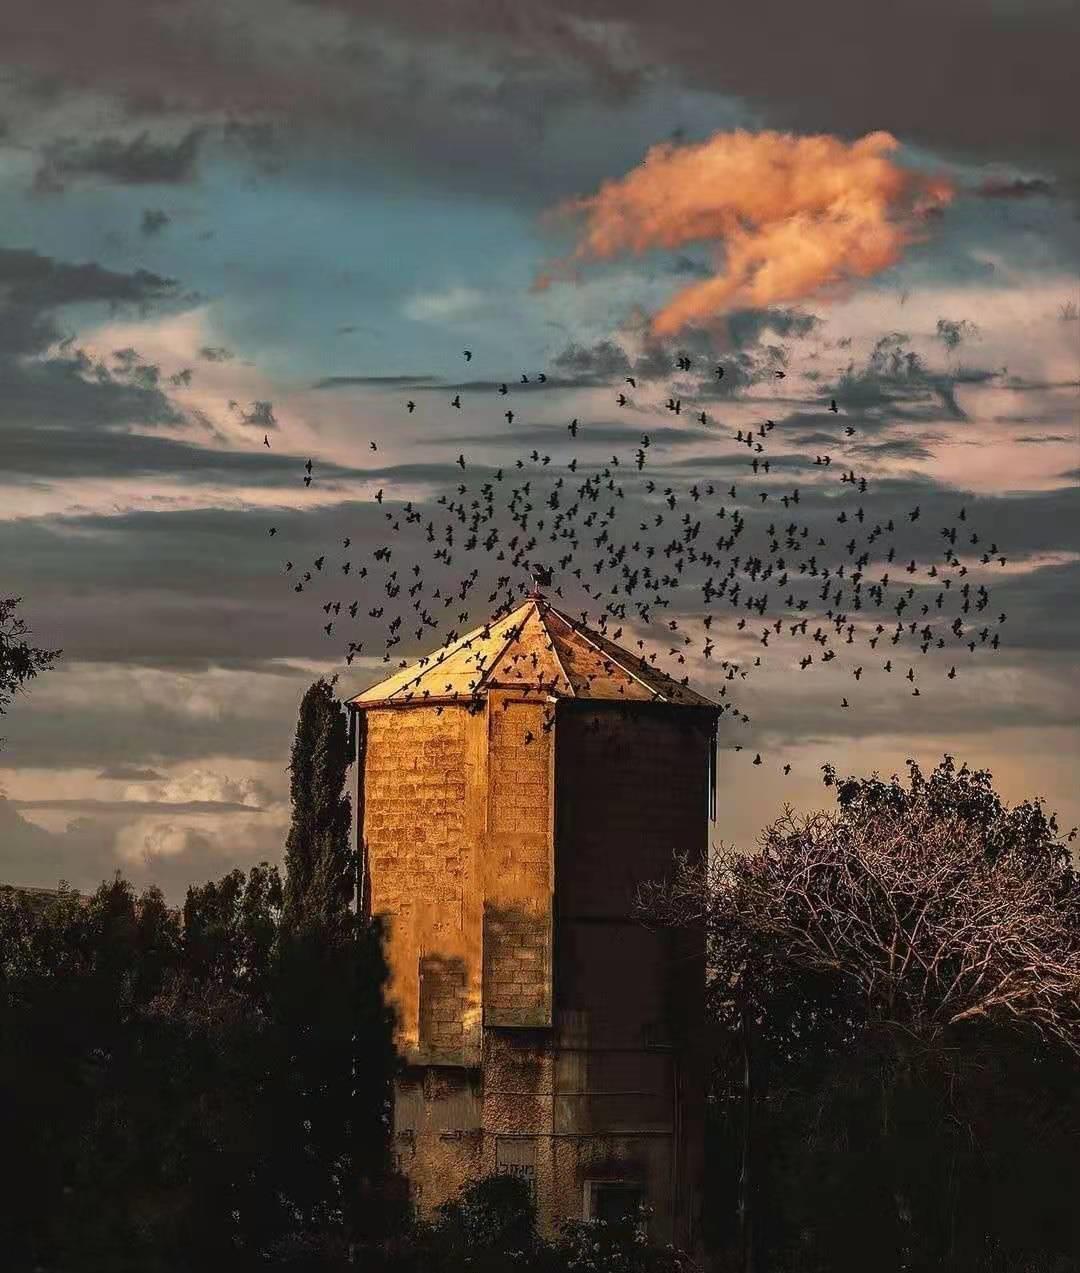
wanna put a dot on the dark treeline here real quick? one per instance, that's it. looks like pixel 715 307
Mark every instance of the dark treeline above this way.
pixel 178 1088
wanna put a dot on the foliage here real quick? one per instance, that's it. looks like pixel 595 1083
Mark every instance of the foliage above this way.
pixel 490 1227
pixel 20 662
pixel 902 978
pixel 319 863
pixel 191 1089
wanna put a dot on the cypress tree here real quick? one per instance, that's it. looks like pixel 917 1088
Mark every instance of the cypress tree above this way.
pixel 320 864
pixel 334 1028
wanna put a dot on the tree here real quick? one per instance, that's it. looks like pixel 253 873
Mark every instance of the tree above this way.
pixel 320 865
pixel 207 1087
pixel 933 905
pixel 330 1014
pixel 20 662
pixel 909 968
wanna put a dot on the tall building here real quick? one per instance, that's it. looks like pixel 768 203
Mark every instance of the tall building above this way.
pixel 514 790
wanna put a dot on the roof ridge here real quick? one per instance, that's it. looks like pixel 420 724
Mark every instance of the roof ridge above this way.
pixel 556 639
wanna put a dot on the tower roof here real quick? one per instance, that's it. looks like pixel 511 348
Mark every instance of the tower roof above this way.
pixel 536 649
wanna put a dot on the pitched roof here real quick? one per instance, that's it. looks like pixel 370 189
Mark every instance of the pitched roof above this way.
pixel 538 649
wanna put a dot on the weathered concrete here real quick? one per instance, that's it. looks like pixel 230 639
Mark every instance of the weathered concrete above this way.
pixel 545 1031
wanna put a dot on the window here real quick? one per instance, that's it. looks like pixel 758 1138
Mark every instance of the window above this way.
pixel 612 1200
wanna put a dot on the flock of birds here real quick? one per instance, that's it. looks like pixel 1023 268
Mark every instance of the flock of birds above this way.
pixel 636 547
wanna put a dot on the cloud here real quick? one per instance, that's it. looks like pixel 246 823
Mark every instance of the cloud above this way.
pixel 87 804
pixel 793 215
pixel 392 382
pixel 34 281
pixel 154 220
pixel 129 773
pixel 597 364
pixel 454 302
pixel 1016 188
pixel 135 161
pixel 171 850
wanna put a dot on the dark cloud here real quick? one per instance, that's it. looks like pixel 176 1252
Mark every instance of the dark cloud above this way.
pixel 1016 188
pixel 894 383
pixel 138 160
pixel 32 281
pixel 53 403
pixel 84 854
pixel 747 326
pixel 62 727
pixel 261 415
pixel 103 450
pixel 91 805
pixel 595 364
pixel 154 220
pixel 31 855
pixel 394 382
pixel 687 266
pixel 607 433
pixel 130 773
pixel 495 101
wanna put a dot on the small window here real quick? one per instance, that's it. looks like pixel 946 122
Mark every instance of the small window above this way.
pixel 613 1200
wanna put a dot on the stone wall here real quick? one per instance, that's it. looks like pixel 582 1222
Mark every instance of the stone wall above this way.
pixel 547 1032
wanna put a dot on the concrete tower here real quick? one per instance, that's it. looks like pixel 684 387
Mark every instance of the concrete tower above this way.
pixel 514 789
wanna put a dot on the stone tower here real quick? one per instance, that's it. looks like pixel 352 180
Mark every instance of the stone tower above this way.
pixel 513 791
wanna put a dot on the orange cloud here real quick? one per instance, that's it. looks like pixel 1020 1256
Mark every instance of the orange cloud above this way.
pixel 788 216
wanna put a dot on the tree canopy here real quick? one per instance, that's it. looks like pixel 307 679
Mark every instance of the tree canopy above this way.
pixel 20 661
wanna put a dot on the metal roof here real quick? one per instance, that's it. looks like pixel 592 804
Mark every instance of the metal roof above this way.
pixel 538 650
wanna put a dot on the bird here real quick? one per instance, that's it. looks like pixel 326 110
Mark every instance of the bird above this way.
pixel 266 440
pixel 373 446
pixel 636 574
pixel 273 530
pixel 468 355
pixel 411 406
pixel 455 401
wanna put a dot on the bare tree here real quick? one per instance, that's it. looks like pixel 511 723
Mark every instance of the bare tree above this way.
pixel 934 904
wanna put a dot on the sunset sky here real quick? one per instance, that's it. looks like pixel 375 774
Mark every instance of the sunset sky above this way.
pixel 224 219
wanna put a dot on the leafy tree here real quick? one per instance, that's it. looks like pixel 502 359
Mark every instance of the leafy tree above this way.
pixel 190 1089
pixel 20 662
pixel 895 975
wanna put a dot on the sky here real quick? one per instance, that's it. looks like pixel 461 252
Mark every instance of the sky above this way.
pixel 229 221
